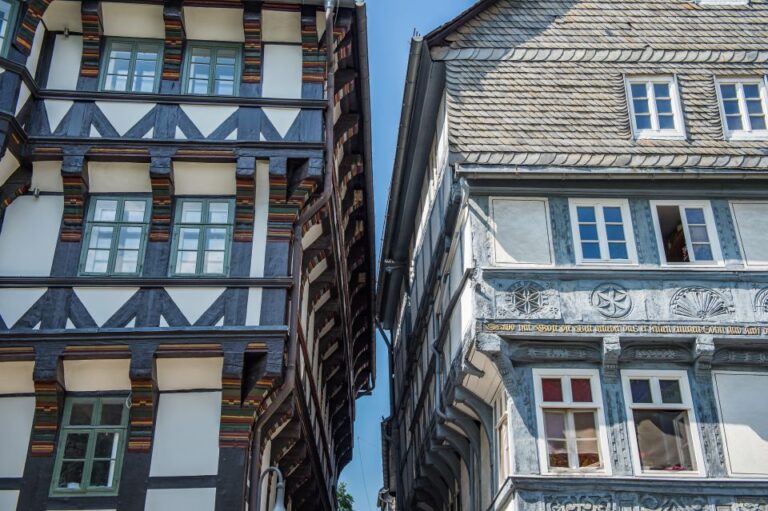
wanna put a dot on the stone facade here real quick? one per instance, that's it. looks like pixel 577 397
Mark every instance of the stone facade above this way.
pixel 560 243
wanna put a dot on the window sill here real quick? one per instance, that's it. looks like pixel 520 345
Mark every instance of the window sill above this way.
pixel 655 135
pixel 746 136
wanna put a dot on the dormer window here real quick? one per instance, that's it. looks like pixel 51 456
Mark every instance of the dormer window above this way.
pixel 654 107
pixel 743 108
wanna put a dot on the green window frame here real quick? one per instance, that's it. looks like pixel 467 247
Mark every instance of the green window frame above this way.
pixel 202 237
pixel 8 12
pixel 115 235
pixel 212 69
pixel 89 455
pixel 131 65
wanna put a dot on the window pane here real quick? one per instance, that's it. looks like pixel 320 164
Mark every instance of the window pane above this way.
pixel 133 210
pixel 81 414
pixel 698 234
pixel 664 106
pixel 188 239
pixel 670 391
pixel 751 90
pixel 666 122
pixel 731 107
pixel 97 261
pixel 106 445
pixel 581 390
pixel 643 122
pixel 106 211
pixel 695 215
pixel 757 122
pixel 588 232
pixel 214 263
pixel 554 425
pixel 218 212
pixel 590 250
pixel 754 106
pixel 584 422
pixel 71 475
pixel 129 238
pixel 618 251
pixel 612 214
pixel 186 262
pixel 102 473
pixel 728 91
pixel 586 214
pixel 76 445
pixel 614 232
pixel 191 212
pixel 552 389
pixel 703 252
pixel 589 454
pixel 111 414
pixel 661 90
pixel 663 438
pixel 215 239
pixel 101 237
pixel 734 123
pixel 641 391
pixel 638 90
pixel 641 106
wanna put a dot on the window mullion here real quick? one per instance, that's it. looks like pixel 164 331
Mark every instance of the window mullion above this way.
pixel 687 233
pixel 570 441
pixel 212 71
pixel 132 65
pixel 651 93
pixel 202 237
pixel 745 121
pixel 602 233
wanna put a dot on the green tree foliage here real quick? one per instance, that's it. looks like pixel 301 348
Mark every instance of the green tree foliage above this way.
pixel 343 498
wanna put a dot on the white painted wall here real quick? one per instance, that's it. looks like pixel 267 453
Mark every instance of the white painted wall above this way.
pixel 521 231
pixel 189 373
pixel 8 165
pixel 191 178
pixel 65 62
pixel 133 20
pixel 214 24
pixel 108 177
pixel 16 414
pixel 16 377
pixel 186 436
pixel 97 375
pixel 750 223
pixel 745 422
pixel 24 94
pixel 282 71
pixel 123 115
pixel 281 26
pixel 34 52
pixel 258 254
pixel 46 176
pixel 29 235
pixel 14 302
pixel 8 500
pixel 207 118
pixel 62 15
pixel 103 302
pixel 193 302
pixel 188 499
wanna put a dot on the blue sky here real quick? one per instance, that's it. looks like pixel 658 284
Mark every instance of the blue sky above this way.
pixel 391 23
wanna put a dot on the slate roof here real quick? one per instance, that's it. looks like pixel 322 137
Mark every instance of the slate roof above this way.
pixel 541 82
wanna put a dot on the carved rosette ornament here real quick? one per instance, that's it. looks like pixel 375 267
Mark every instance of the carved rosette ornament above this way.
pixel 526 299
pixel 700 303
pixel 580 503
pixel 611 300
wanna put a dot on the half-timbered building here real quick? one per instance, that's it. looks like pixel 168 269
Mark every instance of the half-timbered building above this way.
pixel 186 252
pixel 574 262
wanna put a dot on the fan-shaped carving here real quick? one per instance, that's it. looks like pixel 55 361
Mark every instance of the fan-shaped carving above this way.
pixel 761 301
pixel 699 303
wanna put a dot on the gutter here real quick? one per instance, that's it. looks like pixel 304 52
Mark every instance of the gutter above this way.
pixel 409 95
pixel 289 383
pixel 365 93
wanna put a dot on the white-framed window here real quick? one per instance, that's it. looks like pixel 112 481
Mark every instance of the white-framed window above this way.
pixel 501 428
pixel 685 232
pixel 748 217
pixel 743 107
pixel 662 425
pixel 602 231
pixel 654 106
pixel 522 231
pixel 569 413
pixel 744 426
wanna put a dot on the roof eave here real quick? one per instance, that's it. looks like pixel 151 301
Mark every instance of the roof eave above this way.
pixel 438 35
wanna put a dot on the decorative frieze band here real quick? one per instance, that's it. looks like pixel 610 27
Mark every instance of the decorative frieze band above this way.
pixel 174 41
pixel 89 66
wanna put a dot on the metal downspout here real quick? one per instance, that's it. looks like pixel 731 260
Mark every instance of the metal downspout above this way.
pixel 289 383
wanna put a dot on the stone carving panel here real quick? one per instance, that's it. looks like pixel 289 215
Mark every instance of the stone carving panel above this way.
pixel 611 300
pixel 527 300
pixel 660 503
pixel 700 303
pixel 761 304
pixel 579 503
